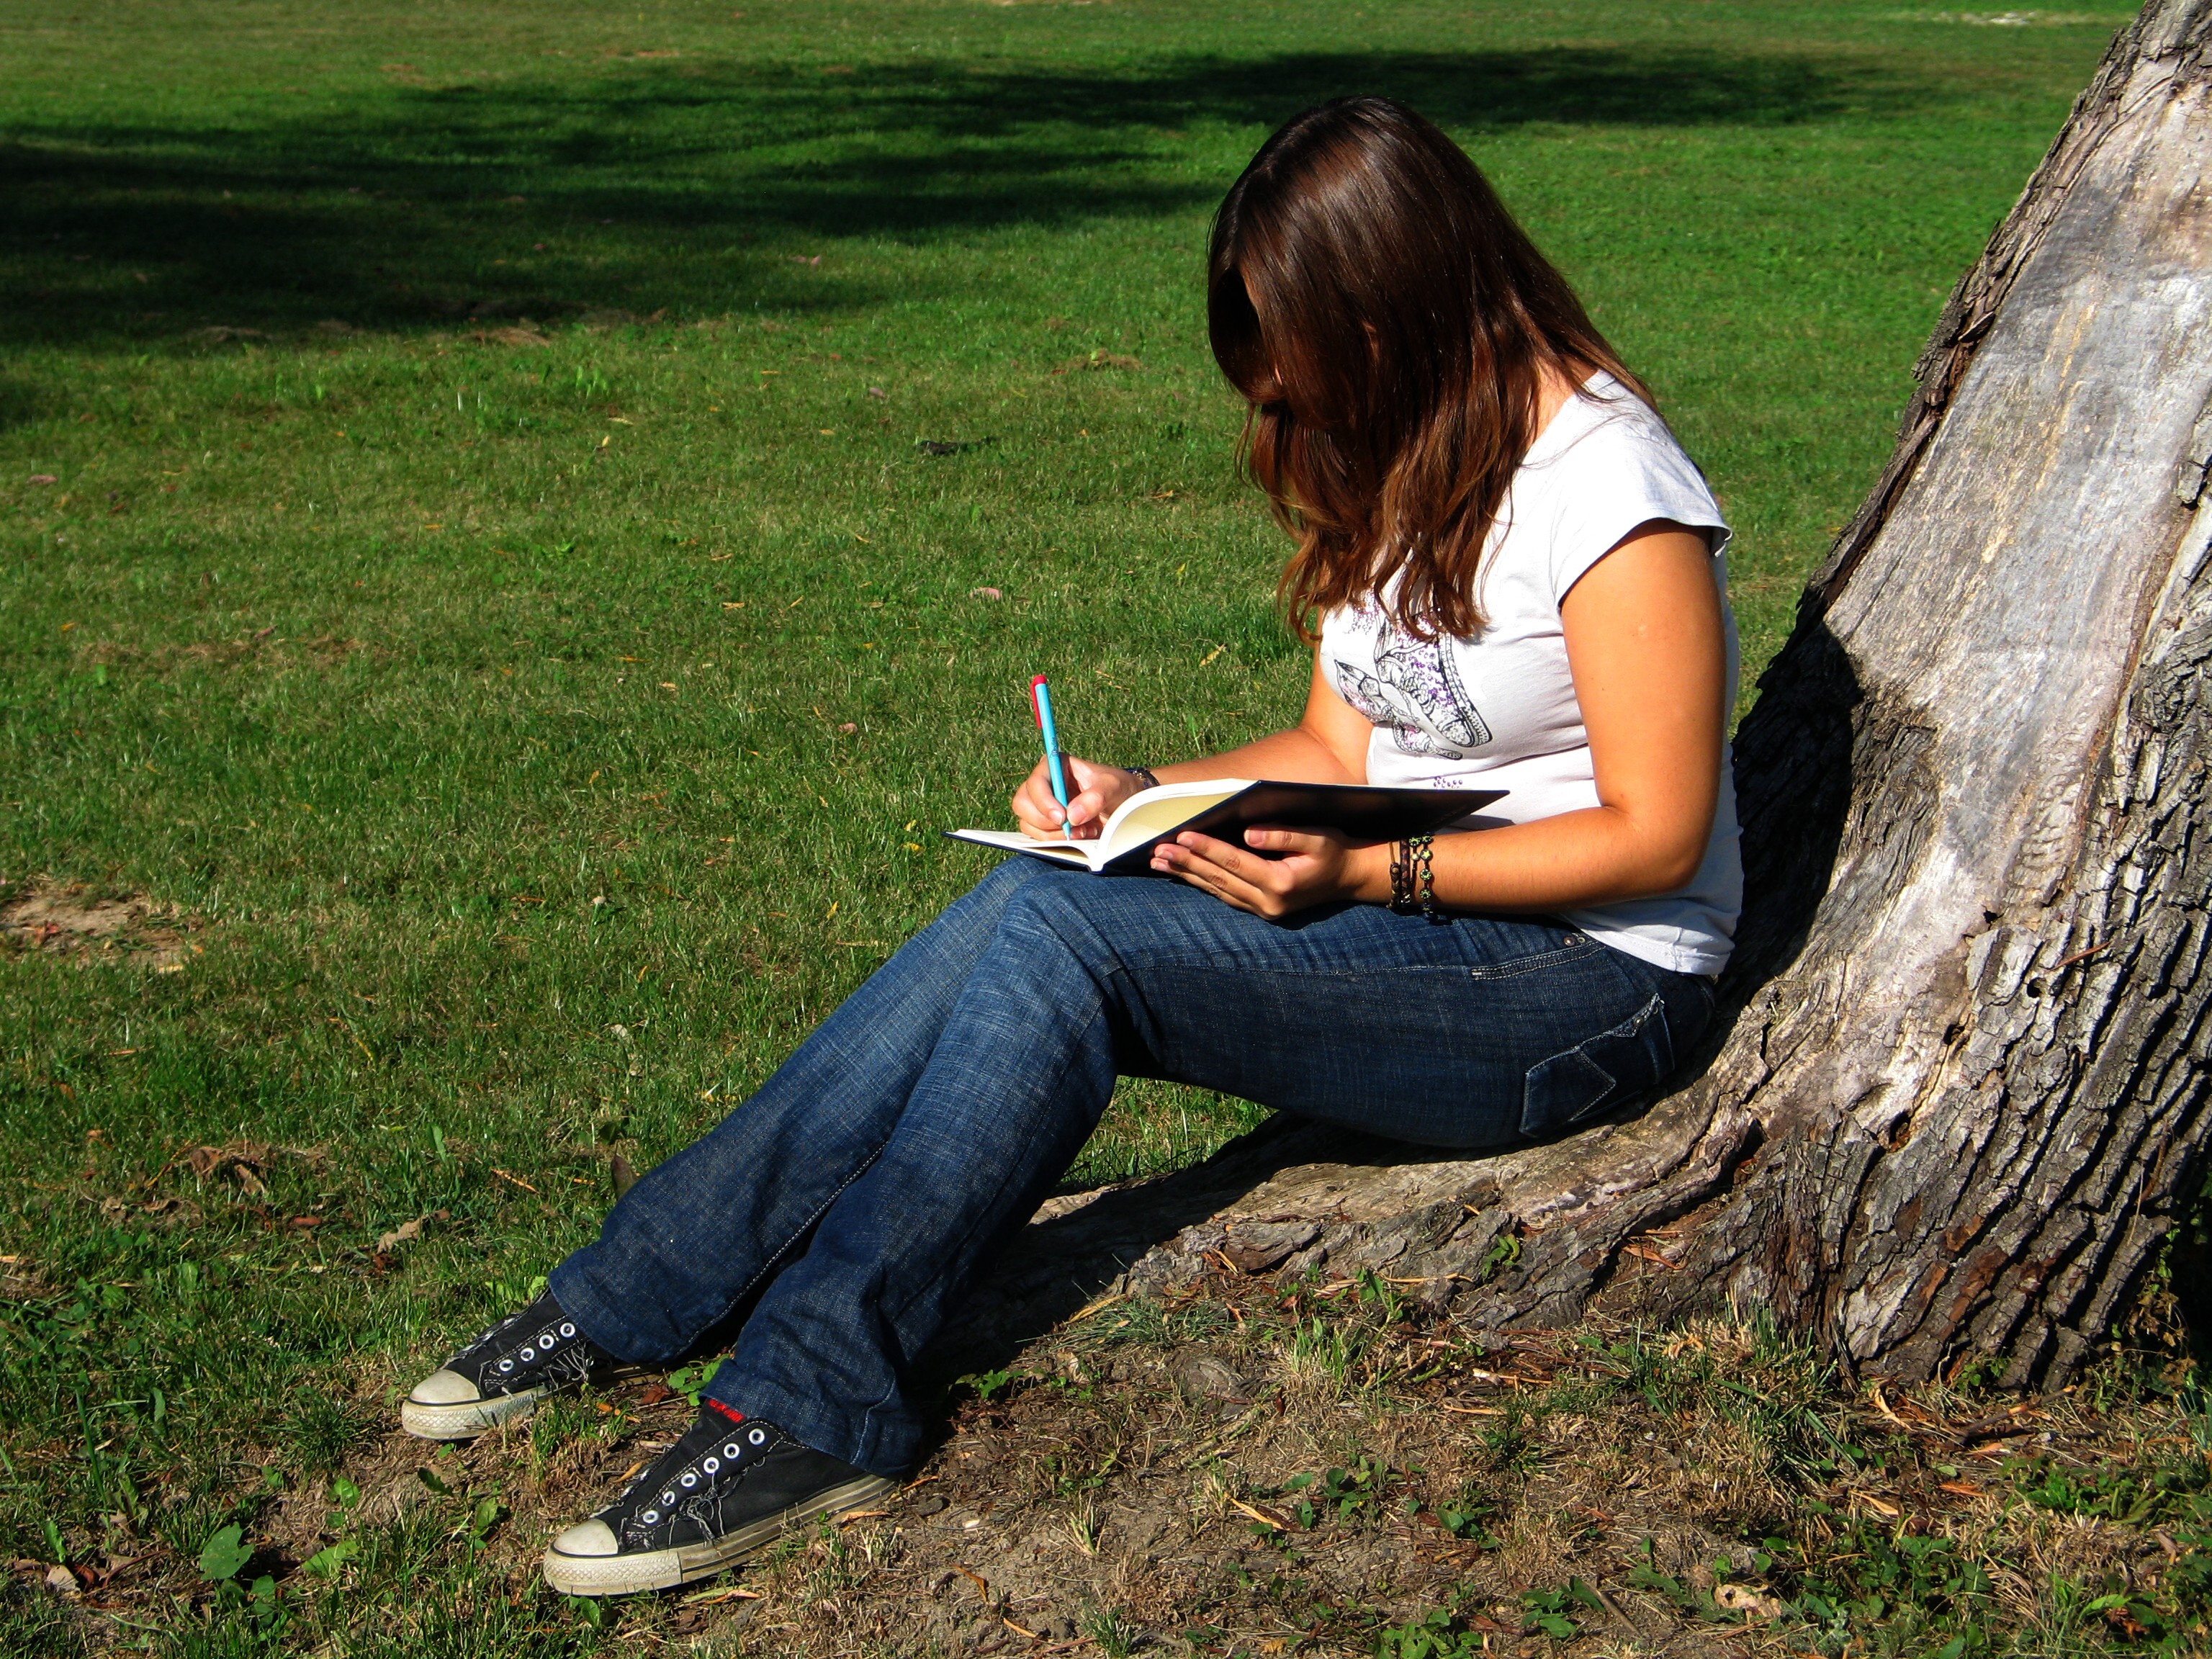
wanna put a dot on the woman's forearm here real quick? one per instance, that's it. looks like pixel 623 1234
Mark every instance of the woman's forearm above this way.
pixel 1294 756
pixel 1596 856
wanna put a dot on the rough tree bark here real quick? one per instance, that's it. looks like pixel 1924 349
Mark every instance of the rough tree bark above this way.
pixel 1962 1092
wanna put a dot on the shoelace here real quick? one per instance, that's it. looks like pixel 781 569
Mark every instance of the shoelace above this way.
pixel 536 1348
pixel 540 1346
pixel 705 1468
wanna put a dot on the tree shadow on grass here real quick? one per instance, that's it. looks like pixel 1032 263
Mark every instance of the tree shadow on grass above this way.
pixel 693 188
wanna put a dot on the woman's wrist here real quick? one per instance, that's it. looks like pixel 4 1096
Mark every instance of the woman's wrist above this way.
pixel 1368 873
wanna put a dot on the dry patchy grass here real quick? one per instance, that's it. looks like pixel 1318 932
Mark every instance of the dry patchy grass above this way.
pixel 1267 1470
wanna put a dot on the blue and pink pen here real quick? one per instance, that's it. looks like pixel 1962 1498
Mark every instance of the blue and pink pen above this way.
pixel 1041 700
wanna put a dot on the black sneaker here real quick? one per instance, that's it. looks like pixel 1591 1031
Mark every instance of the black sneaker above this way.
pixel 731 1484
pixel 505 1372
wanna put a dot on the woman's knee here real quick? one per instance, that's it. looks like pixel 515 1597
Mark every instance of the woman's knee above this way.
pixel 1013 876
pixel 985 903
pixel 1050 911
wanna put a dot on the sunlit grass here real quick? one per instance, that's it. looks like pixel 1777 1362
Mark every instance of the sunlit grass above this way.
pixel 490 593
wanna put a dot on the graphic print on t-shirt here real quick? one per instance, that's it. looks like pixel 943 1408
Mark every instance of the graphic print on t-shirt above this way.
pixel 1416 692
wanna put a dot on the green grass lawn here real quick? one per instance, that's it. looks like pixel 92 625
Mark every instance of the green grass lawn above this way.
pixel 518 525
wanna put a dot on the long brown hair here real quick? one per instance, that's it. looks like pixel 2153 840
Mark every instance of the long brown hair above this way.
pixel 1389 324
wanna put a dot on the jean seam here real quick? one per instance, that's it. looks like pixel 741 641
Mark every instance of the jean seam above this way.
pixel 1530 965
pixel 784 1249
pixel 892 1316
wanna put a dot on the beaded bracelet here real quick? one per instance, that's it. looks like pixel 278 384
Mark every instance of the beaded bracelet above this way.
pixel 1413 878
pixel 1144 776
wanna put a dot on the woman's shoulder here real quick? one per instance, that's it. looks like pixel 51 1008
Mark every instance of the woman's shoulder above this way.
pixel 1604 465
pixel 1606 445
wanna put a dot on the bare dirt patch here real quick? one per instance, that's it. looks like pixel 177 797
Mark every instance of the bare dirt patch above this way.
pixel 1260 1469
pixel 76 921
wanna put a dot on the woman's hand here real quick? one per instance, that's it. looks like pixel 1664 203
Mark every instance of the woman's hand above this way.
pixel 1314 867
pixel 1099 790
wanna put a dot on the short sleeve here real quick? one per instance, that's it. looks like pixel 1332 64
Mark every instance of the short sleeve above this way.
pixel 1626 470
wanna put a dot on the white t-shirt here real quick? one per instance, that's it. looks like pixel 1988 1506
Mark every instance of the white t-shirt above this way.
pixel 1498 711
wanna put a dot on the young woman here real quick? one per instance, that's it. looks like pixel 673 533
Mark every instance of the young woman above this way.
pixel 1517 578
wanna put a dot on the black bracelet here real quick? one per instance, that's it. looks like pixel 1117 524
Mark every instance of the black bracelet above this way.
pixel 1144 776
pixel 1402 878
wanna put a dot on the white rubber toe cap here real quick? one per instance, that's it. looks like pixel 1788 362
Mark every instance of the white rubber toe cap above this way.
pixel 446 1406
pixel 444 1388
pixel 587 1560
pixel 588 1538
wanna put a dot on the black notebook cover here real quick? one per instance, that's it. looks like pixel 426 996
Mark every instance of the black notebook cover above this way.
pixel 1363 811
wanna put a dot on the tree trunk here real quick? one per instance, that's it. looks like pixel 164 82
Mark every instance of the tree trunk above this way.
pixel 1962 1095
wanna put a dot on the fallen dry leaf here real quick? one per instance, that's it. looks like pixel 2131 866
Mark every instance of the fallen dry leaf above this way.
pixel 985 593
pixel 405 1233
pixel 1261 1516
pixel 243 1165
pixel 1744 1599
pixel 43 479
pixel 1882 1405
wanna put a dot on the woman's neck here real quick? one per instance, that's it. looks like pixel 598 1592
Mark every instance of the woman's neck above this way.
pixel 1555 385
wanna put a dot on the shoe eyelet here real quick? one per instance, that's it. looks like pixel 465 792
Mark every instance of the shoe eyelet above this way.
pixel 650 1517
pixel 527 1355
pixel 710 1465
pixel 567 1330
pixel 689 1480
pixel 730 1450
pixel 506 1365
pixel 757 1438
pixel 668 1497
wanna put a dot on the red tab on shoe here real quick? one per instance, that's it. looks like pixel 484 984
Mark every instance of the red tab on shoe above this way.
pixel 734 1416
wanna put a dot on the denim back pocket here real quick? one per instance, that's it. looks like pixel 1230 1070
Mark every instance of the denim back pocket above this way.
pixel 1598 1074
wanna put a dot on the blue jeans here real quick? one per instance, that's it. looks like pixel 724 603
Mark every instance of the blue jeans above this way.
pixel 860 1191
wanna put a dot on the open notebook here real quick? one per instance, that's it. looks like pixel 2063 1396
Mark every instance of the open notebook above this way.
pixel 1226 807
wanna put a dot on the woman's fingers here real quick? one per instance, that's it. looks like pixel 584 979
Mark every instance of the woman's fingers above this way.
pixel 1099 790
pixel 1096 792
pixel 1034 809
pixel 1307 868
pixel 1220 854
pixel 1309 841
pixel 1209 877
pixel 1086 812
pixel 1250 883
